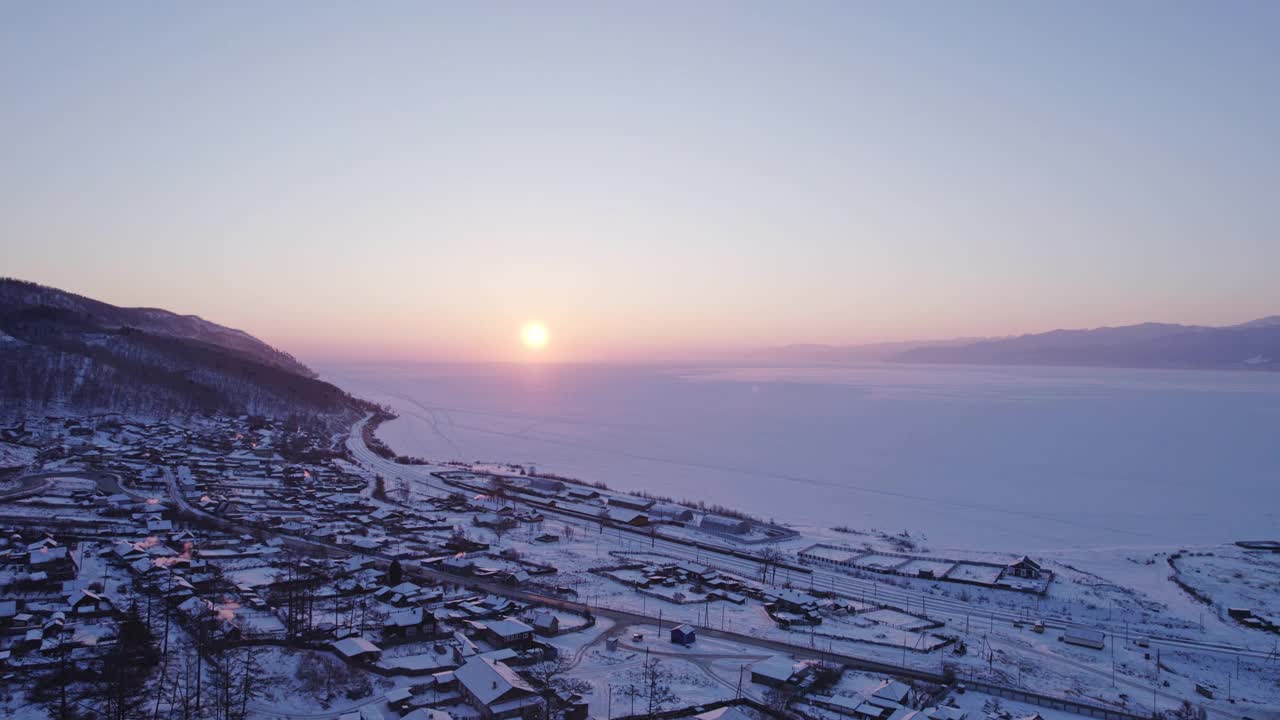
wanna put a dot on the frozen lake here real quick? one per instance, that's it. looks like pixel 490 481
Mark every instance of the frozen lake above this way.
pixel 988 458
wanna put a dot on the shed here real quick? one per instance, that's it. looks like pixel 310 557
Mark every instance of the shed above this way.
pixel 1084 638
pixel 725 525
pixel 546 485
pixel 684 635
pixel 774 671
pixel 357 647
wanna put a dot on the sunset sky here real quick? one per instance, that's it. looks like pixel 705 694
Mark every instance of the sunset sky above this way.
pixel 413 180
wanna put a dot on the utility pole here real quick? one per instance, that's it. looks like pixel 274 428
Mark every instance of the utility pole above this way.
pixel 1113 662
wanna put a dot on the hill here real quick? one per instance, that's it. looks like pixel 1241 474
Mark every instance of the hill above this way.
pixel 67 351
pixel 1252 345
pixel 837 354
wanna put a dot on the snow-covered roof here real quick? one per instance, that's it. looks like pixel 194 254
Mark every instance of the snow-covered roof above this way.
pixel 355 646
pixel 728 712
pixel 490 681
pixel 945 712
pixel 509 627
pixel 893 691
pixel 407 617
pixel 777 667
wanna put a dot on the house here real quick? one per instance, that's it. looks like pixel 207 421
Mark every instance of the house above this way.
pixel 495 690
pixel 545 485
pixel 408 623
pixel 508 633
pixel 8 612
pixel 945 712
pixel 843 704
pixel 725 525
pixel 57 562
pixel 1024 567
pixel 87 602
pixel 728 712
pixel 1084 638
pixel 157 524
pixel 494 521
pixel 793 601
pixel 545 622
pixel 357 648
pixel 890 693
pixel 627 516
pixel 427 714
pixel 684 635
pixel 630 503
pixel 775 671
pixel 671 511
pixel 126 552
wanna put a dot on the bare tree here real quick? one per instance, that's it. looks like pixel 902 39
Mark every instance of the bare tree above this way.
pixel 295 592
pixel 654 686
pixel 770 558
pixel 923 694
pixel 497 488
pixel 123 670
pixel 551 676
pixel 186 689
pixel 57 689
pixel 236 681
pixel 777 699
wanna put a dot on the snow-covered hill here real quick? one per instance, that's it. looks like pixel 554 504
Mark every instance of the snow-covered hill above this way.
pixel 74 352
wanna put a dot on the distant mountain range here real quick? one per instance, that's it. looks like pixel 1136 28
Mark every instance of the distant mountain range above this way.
pixel 59 349
pixel 1253 345
pixel 816 353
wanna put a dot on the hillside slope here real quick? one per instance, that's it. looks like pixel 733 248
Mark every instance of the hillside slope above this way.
pixel 1252 345
pixel 16 294
pixel 62 350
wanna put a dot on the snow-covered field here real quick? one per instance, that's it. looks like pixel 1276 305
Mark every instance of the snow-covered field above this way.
pixel 1026 459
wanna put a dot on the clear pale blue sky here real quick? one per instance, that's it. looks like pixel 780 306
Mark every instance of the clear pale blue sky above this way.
pixel 418 180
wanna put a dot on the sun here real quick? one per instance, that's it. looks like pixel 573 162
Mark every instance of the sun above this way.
pixel 535 336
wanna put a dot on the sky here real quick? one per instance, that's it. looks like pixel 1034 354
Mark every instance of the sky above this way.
pixel 420 181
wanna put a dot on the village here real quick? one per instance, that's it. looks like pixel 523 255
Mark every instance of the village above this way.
pixel 262 569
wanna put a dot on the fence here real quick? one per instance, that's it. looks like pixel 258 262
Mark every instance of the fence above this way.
pixel 1054 703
